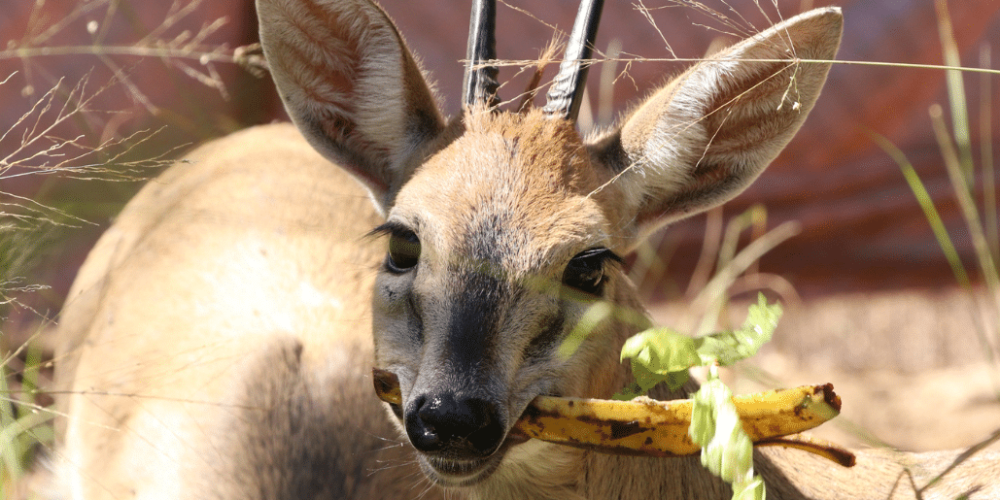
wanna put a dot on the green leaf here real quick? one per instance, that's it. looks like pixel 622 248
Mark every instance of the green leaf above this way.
pixel 658 355
pixel 703 415
pixel 751 490
pixel 663 355
pixel 715 426
pixel 727 348
pixel 661 350
pixel 726 450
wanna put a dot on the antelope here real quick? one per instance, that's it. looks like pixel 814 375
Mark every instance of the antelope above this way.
pixel 218 341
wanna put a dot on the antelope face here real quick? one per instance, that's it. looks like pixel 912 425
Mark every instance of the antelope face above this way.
pixel 503 228
pixel 496 246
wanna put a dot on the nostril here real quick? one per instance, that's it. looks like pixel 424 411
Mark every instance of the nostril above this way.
pixel 488 435
pixel 423 435
pixel 461 424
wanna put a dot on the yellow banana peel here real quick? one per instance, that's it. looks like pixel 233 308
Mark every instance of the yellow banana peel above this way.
pixel 649 427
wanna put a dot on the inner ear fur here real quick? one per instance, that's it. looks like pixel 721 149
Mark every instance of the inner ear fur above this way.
pixel 351 86
pixel 705 136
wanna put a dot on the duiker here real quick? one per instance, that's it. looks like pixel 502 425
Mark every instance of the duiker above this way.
pixel 218 341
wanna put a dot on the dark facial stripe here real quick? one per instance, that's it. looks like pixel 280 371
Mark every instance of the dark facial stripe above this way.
pixel 475 315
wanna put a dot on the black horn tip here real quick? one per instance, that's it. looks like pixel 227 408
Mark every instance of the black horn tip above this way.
pixel 566 93
pixel 480 85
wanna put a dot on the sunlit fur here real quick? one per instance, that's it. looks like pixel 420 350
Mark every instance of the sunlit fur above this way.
pixel 217 342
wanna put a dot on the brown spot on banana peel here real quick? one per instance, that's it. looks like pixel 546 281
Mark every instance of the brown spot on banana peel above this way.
pixel 648 427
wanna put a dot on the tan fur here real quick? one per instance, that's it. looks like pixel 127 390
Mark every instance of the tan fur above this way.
pixel 181 345
pixel 218 341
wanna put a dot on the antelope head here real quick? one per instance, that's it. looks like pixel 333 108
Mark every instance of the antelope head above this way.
pixel 503 228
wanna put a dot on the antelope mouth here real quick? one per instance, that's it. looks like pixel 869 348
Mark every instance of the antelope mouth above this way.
pixel 456 472
pixel 445 467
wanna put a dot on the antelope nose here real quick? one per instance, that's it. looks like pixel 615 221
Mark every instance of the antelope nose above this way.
pixel 461 426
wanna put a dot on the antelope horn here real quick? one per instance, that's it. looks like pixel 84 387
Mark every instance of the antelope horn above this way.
pixel 480 85
pixel 566 93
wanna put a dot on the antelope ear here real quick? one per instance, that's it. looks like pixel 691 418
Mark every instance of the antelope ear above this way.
pixel 704 137
pixel 351 86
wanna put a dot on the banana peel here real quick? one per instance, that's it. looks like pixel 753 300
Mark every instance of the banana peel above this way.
pixel 649 427
pixel 818 447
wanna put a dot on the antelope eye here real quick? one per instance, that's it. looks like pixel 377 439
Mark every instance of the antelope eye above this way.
pixel 585 272
pixel 404 251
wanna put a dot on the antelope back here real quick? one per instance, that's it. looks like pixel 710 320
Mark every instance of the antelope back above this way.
pixel 216 342
pixel 217 339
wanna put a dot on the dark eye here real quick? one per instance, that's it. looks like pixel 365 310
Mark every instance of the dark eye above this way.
pixel 404 251
pixel 585 272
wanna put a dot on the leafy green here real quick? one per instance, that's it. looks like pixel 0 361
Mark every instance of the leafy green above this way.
pixel 726 450
pixel 661 355
pixel 750 490
pixel 726 348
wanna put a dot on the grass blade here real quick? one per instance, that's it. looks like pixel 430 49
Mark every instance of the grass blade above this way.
pixel 965 201
pixel 927 205
pixel 724 277
pixel 986 263
pixel 709 251
pixel 956 92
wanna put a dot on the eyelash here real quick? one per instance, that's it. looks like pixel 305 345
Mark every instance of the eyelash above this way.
pixel 585 272
pixel 404 247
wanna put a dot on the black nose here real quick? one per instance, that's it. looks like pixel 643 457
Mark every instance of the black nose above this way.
pixel 461 426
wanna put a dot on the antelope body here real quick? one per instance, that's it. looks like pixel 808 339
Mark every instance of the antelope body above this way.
pixel 217 343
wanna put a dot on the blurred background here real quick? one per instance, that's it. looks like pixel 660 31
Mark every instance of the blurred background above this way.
pixel 97 96
pixel 862 228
